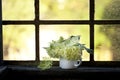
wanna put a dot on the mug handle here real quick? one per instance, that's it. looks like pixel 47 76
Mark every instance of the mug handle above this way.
pixel 77 63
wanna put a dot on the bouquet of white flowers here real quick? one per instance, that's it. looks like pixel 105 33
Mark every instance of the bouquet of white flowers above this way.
pixel 69 49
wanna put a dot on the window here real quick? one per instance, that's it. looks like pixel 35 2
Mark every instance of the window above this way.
pixel 108 48
pixel 25 25
pixel 43 16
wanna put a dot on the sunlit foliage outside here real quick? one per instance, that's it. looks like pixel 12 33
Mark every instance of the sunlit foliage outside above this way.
pixel 53 32
pixel 64 9
pixel 20 40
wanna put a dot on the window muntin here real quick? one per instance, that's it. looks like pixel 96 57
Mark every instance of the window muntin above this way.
pixel 64 9
pixel 53 32
pixel 17 9
pixel 18 42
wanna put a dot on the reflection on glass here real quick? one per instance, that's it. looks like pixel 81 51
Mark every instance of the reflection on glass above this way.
pixel 18 42
pixel 107 43
pixel 53 32
pixel 110 9
pixel 64 9
pixel 17 9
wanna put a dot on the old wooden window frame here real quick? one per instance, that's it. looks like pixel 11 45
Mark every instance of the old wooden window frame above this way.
pixel 36 22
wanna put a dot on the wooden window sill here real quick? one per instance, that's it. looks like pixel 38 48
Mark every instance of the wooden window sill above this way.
pixel 32 73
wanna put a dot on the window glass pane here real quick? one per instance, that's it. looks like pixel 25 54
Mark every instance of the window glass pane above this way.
pixel 64 9
pixel 110 9
pixel 107 43
pixel 18 42
pixel 53 32
pixel 17 9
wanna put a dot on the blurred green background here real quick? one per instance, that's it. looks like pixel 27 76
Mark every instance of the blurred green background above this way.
pixel 15 37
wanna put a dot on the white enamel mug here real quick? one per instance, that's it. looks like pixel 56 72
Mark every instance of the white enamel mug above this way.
pixel 68 64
